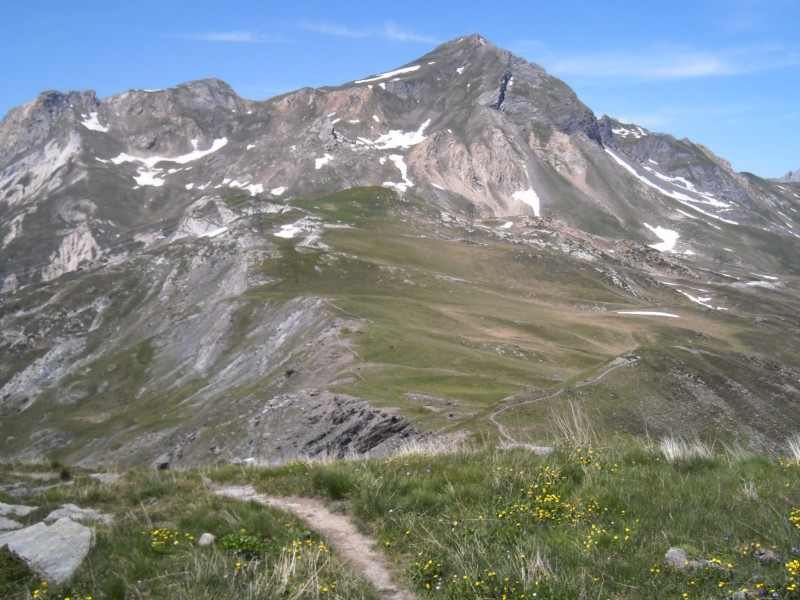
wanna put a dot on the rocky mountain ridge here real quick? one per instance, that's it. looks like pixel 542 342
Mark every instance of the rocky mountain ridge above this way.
pixel 142 236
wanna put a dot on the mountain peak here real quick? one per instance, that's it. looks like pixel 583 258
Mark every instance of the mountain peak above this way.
pixel 194 248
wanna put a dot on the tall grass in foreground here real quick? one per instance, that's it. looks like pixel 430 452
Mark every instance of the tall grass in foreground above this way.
pixel 583 522
pixel 152 549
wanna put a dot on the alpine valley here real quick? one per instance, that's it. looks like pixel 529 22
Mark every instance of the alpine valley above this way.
pixel 458 248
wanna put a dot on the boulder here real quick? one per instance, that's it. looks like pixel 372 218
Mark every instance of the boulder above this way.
pixel 15 510
pixel 9 524
pixel 77 513
pixel 53 551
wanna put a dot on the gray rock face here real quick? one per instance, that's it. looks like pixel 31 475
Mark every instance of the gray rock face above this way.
pixel 15 510
pixel 54 551
pixel 791 177
pixel 9 524
pixel 76 513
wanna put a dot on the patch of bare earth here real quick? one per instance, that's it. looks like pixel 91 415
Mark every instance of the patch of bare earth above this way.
pixel 355 549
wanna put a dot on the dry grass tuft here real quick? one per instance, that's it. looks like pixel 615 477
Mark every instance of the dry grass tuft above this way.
pixel 573 428
pixel 675 449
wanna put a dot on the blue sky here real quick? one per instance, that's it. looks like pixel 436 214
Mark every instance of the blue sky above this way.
pixel 724 73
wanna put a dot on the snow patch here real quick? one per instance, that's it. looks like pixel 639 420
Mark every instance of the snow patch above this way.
pixel 637 132
pixel 321 162
pixel 649 313
pixel 701 300
pixel 689 201
pixel 507 225
pixel 253 188
pixel 91 122
pixel 288 231
pixel 529 197
pixel 278 191
pixel 151 161
pixel 400 139
pixel 460 70
pixel 376 119
pixel 149 176
pixel 398 161
pixel 667 236
pixel 389 74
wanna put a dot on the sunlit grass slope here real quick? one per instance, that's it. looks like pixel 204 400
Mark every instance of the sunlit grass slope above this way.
pixel 592 521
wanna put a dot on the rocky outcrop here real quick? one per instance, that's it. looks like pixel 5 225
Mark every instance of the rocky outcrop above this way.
pixel 53 551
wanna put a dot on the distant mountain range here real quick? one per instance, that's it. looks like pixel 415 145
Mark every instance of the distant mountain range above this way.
pixel 189 275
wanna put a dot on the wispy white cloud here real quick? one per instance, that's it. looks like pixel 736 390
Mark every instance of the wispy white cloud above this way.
pixel 644 65
pixel 393 32
pixel 668 116
pixel 239 37
pixel 335 30
pixel 666 63
pixel 389 31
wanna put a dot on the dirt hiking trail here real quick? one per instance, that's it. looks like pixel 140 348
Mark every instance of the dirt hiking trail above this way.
pixel 355 549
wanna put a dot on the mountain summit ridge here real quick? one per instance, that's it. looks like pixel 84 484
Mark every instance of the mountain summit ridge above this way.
pixel 278 262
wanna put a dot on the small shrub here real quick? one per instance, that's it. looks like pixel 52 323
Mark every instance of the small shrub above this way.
pixel 244 544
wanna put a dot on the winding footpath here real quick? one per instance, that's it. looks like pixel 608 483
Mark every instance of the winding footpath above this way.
pixel 509 440
pixel 355 549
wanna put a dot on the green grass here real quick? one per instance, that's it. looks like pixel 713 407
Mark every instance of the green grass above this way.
pixel 151 550
pixel 581 523
pixel 444 331
pixel 476 522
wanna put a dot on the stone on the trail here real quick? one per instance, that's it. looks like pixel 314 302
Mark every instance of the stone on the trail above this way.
pixel 53 551
pixel 9 524
pixel 77 513
pixel 15 510
pixel 206 539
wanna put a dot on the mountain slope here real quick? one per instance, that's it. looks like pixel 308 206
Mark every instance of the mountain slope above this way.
pixel 454 246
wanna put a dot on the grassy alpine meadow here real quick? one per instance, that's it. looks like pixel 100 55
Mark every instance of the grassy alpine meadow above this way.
pixel 153 549
pixel 585 521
